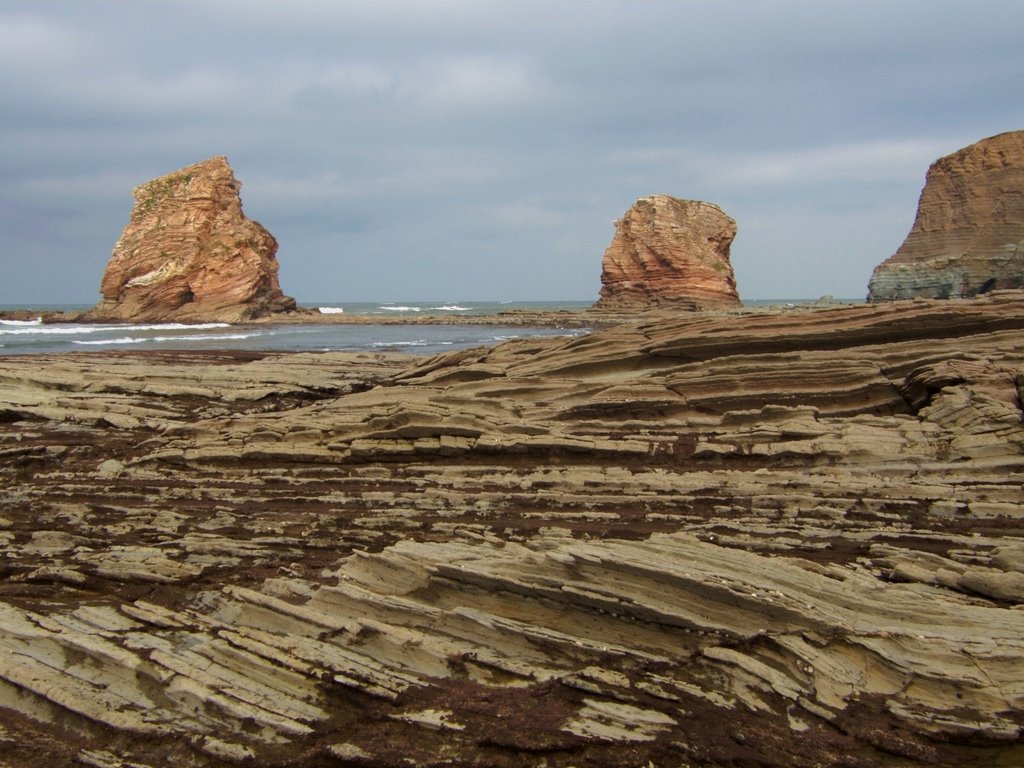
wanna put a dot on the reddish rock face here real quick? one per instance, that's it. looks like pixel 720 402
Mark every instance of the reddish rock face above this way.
pixel 968 236
pixel 669 253
pixel 189 254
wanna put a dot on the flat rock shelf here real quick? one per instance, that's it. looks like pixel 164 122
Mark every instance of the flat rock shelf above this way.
pixel 774 539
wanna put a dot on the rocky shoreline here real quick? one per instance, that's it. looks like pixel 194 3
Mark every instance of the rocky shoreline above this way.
pixel 560 318
pixel 593 317
pixel 771 538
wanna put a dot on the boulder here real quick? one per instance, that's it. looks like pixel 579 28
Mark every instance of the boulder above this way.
pixel 968 236
pixel 672 253
pixel 189 254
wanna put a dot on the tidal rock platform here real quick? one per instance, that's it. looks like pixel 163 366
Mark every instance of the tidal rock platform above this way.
pixel 774 539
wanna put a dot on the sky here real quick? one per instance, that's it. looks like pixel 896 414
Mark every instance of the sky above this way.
pixel 482 149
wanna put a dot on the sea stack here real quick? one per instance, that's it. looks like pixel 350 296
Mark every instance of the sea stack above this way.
pixel 669 253
pixel 189 254
pixel 968 236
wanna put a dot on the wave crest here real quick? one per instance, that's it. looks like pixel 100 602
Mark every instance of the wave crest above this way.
pixel 162 339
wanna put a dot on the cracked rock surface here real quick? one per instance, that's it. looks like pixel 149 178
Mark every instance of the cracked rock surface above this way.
pixel 787 538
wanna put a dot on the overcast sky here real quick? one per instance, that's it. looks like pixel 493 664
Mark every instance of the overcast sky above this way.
pixel 452 149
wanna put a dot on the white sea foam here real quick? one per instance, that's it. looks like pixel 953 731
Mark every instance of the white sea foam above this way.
pixel 161 339
pixel 37 321
pixel 58 329
pixel 417 343
pixel 66 337
pixel 165 327
pixel 51 330
pixel 331 310
pixel 452 308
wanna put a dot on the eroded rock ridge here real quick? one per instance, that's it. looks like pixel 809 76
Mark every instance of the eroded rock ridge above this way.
pixel 783 539
pixel 968 235
pixel 671 253
pixel 190 254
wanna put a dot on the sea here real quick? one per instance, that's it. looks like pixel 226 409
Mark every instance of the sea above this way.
pixel 32 336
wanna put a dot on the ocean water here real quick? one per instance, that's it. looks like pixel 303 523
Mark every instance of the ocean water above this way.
pixel 450 308
pixel 32 336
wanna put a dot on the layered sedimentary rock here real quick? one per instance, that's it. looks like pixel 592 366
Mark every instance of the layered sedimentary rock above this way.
pixel 669 253
pixel 968 236
pixel 190 254
pixel 783 539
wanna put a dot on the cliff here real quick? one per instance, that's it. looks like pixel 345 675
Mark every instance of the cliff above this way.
pixel 968 235
pixel 190 254
pixel 668 252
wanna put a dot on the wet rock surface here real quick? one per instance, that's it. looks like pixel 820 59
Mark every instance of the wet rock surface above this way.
pixel 791 539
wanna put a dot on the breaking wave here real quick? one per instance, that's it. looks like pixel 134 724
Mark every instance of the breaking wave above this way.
pixel 415 343
pixel 163 339
pixel 35 336
pixel 26 327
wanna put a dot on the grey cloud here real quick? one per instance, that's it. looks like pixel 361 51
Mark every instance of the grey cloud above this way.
pixel 419 150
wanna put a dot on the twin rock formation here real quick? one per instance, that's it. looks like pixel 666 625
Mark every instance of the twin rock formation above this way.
pixel 189 254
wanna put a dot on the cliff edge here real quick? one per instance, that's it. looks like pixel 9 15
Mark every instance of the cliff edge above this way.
pixel 968 236
pixel 189 254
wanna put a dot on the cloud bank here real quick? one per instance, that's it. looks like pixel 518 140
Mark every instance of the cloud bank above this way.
pixel 456 149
